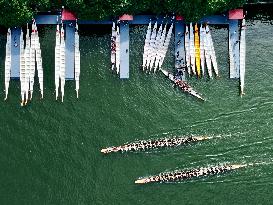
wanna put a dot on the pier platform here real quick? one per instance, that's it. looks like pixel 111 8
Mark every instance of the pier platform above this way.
pixel 15 53
pixel 68 19
pixel 124 50
pixel 180 55
pixel 70 50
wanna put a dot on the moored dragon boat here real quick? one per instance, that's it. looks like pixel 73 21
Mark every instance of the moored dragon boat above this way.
pixel 182 85
pixel 207 49
pixel 212 51
pixel 27 66
pixel 32 58
pixel 187 49
pixel 155 48
pixel 57 60
pixel 154 143
pixel 39 62
pixel 118 49
pixel 181 175
pixel 113 46
pixel 22 69
pixel 202 49
pixel 146 45
pixel 192 49
pixel 197 50
pixel 151 45
pixel 62 62
pixel 160 51
pixel 77 61
pixel 165 46
pixel 7 63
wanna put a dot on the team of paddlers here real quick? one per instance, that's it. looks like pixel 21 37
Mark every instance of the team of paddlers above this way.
pixel 154 143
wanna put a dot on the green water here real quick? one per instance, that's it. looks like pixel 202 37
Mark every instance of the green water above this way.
pixel 50 151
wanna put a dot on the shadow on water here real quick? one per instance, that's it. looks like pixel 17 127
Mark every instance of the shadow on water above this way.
pixel 259 12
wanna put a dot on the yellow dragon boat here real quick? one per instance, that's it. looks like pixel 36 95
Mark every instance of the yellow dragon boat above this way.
pixel 197 50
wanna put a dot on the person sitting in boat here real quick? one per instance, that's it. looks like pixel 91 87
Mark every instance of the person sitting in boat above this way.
pixel 157 178
pixel 178 175
pixel 115 149
pixel 189 139
pixel 142 145
pixel 184 175
pixel 113 47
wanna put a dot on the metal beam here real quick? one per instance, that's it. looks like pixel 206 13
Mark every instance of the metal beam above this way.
pixel 124 50
pixel 15 53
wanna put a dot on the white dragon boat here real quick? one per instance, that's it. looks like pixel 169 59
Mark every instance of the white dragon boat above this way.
pixel 32 58
pixel 151 46
pixel 118 50
pixel 57 60
pixel 202 49
pixel 208 54
pixel 192 49
pixel 146 46
pixel 113 46
pixel 62 62
pixel 27 56
pixel 155 48
pixel 212 51
pixel 187 49
pixel 165 46
pixel 160 51
pixel 22 69
pixel 7 63
pixel 39 62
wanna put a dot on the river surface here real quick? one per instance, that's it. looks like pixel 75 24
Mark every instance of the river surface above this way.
pixel 50 151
